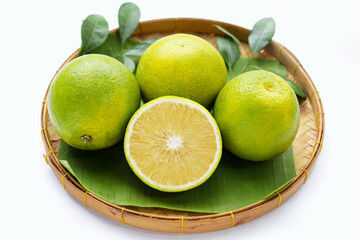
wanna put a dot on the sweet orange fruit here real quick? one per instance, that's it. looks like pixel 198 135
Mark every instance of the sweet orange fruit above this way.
pixel 182 65
pixel 258 115
pixel 91 101
pixel 173 144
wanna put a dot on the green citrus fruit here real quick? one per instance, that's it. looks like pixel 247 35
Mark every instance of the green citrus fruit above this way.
pixel 181 65
pixel 173 144
pixel 91 101
pixel 258 115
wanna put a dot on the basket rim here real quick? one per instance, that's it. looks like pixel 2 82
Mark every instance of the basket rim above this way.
pixel 301 176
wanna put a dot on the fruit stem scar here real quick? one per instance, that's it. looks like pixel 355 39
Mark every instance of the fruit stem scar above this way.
pixel 269 87
pixel 86 138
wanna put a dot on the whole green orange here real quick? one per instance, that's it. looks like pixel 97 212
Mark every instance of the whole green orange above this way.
pixel 258 115
pixel 91 101
pixel 181 65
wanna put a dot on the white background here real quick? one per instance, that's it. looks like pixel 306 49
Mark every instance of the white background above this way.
pixel 37 36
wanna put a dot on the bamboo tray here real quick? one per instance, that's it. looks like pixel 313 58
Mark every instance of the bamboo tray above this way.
pixel 307 145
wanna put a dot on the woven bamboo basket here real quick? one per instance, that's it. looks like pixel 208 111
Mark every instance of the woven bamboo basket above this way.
pixel 307 145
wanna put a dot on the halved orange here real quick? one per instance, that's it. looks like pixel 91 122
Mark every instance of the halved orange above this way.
pixel 173 144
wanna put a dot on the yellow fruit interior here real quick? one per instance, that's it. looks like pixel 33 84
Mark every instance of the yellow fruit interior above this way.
pixel 173 143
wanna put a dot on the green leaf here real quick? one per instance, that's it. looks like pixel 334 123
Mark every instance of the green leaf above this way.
pixel 229 34
pixel 94 31
pixel 129 63
pixel 233 38
pixel 130 43
pixel 129 53
pixel 138 50
pixel 261 34
pixel 236 183
pixel 268 65
pixel 299 91
pixel 243 65
pixel 111 47
pixel 239 67
pixel 228 49
pixel 128 17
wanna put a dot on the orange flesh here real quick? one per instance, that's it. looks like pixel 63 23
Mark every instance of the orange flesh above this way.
pixel 173 143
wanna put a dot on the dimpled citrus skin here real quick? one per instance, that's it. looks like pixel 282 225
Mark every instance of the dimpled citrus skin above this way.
pixel 258 115
pixel 94 95
pixel 181 65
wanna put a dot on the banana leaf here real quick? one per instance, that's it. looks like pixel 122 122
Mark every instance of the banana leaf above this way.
pixel 236 182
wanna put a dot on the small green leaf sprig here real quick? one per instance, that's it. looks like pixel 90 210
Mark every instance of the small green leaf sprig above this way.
pixel 96 38
pixel 260 36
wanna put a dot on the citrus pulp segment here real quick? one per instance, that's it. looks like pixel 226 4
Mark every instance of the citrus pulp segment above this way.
pixel 173 144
